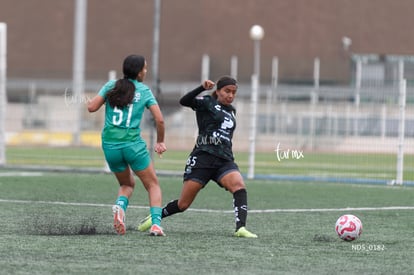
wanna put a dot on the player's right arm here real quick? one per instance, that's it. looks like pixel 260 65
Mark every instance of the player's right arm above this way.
pixel 95 103
pixel 159 147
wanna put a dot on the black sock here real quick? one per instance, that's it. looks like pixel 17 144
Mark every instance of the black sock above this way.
pixel 240 207
pixel 170 209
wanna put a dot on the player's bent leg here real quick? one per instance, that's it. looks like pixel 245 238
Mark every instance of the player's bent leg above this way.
pixel 188 194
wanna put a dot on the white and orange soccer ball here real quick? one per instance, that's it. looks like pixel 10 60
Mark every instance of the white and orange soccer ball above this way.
pixel 348 227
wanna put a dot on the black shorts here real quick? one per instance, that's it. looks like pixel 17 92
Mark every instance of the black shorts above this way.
pixel 203 167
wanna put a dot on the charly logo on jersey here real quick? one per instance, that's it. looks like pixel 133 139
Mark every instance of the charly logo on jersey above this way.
pixel 137 97
pixel 218 107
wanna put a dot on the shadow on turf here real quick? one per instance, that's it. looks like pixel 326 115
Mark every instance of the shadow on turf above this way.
pixel 61 227
pixel 323 238
pixel 52 224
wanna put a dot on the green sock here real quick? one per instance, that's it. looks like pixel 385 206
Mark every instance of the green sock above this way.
pixel 156 215
pixel 123 202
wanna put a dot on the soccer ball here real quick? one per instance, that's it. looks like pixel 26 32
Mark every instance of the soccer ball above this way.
pixel 348 227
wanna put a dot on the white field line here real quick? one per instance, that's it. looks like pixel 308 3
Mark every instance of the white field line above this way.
pixel 277 210
pixel 21 174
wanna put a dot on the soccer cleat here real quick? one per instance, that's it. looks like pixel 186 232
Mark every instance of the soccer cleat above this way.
pixel 119 219
pixel 156 230
pixel 145 224
pixel 244 233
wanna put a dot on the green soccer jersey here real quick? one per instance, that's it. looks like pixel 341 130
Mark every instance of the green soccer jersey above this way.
pixel 122 126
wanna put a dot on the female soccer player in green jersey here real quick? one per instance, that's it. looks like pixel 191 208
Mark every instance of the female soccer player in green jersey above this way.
pixel 212 156
pixel 125 151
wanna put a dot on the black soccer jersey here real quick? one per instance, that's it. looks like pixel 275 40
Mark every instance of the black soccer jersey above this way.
pixel 216 124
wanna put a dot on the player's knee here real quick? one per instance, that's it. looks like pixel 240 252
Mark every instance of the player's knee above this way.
pixel 129 183
pixel 236 186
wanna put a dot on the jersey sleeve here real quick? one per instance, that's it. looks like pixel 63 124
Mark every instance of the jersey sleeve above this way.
pixel 106 88
pixel 150 98
pixel 188 98
pixel 201 103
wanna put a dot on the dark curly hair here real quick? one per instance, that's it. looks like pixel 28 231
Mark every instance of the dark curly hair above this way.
pixel 123 92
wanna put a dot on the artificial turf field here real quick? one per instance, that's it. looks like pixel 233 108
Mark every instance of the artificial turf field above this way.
pixel 61 223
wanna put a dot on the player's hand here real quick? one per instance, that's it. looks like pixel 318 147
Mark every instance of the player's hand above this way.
pixel 160 148
pixel 208 84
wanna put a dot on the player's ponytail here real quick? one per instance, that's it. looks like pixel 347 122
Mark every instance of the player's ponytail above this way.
pixel 123 92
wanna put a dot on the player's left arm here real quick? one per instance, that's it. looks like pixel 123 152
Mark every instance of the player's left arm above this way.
pixel 160 147
pixel 187 99
pixel 95 103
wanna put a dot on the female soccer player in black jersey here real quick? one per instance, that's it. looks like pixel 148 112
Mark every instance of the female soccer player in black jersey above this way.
pixel 212 156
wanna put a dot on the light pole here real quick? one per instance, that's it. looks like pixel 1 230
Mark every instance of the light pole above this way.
pixel 3 95
pixel 256 34
pixel 79 55
pixel 155 68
